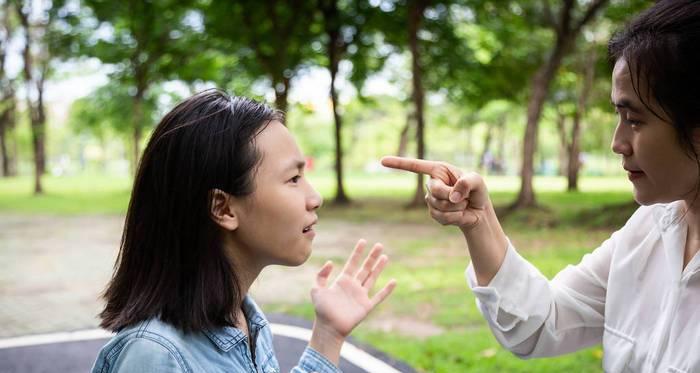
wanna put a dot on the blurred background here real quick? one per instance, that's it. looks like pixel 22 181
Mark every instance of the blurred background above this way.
pixel 516 90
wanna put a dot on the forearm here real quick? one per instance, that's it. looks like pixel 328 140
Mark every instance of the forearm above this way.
pixel 487 244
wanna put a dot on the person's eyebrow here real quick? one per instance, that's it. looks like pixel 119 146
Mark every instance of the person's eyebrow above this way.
pixel 626 104
pixel 295 164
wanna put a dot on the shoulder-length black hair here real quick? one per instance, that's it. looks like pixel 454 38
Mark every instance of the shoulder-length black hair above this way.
pixel 662 45
pixel 171 262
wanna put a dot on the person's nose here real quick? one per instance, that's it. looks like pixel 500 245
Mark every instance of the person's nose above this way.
pixel 314 200
pixel 620 142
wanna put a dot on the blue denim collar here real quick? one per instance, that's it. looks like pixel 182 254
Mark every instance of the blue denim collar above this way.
pixel 225 338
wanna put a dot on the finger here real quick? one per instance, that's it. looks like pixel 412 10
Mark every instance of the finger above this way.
pixel 384 293
pixel 446 206
pixel 323 274
pixel 465 186
pixel 419 166
pixel 369 263
pixel 376 271
pixel 449 218
pixel 354 260
pixel 439 189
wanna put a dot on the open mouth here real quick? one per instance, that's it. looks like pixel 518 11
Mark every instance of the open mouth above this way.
pixel 309 227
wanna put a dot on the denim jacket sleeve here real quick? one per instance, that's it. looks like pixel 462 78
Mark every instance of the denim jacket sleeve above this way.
pixel 147 356
pixel 312 361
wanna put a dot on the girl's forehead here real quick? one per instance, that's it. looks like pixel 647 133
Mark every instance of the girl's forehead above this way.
pixel 277 146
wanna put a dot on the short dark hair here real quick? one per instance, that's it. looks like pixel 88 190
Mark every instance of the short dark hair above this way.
pixel 171 262
pixel 662 45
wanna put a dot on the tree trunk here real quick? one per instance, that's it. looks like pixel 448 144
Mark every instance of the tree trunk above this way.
pixel 487 149
pixel 414 23
pixel 281 91
pixel 563 143
pixel 501 155
pixel 138 129
pixel 7 123
pixel 334 60
pixel 575 152
pixel 566 32
pixel 41 119
pixel 574 163
pixel 35 110
pixel 403 137
pixel 3 147
pixel 540 88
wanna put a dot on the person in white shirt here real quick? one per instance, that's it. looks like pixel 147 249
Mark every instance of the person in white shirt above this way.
pixel 639 292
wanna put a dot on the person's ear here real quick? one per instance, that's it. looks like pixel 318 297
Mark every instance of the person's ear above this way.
pixel 222 210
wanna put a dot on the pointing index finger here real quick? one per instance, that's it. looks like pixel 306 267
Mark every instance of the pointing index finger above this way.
pixel 419 166
pixel 437 170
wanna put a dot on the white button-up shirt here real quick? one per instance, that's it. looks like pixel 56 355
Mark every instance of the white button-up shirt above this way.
pixel 632 294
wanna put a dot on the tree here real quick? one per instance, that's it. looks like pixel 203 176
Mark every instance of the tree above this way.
pixel 566 26
pixel 342 23
pixel 146 42
pixel 36 63
pixel 106 110
pixel 573 146
pixel 271 38
pixel 426 31
pixel 8 100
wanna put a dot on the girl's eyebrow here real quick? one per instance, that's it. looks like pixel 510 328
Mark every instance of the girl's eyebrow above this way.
pixel 296 164
pixel 625 104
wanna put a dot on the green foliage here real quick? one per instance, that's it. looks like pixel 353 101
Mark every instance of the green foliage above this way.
pixel 109 109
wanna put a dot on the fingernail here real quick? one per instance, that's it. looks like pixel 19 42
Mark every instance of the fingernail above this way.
pixel 455 197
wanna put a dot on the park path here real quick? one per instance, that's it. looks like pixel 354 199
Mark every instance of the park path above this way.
pixel 54 268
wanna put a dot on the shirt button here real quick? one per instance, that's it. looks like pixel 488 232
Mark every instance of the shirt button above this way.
pixel 666 221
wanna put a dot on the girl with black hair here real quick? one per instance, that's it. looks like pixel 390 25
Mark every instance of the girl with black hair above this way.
pixel 639 292
pixel 220 194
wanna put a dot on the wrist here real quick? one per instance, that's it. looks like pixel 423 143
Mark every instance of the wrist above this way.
pixel 482 219
pixel 326 341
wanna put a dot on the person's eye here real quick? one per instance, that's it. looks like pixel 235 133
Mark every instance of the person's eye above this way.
pixel 295 179
pixel 633 122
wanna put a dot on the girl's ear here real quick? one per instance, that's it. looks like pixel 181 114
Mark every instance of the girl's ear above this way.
pixel 222 210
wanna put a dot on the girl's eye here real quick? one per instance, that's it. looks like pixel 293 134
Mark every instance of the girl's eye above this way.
pixel 633 122
pixel 295 179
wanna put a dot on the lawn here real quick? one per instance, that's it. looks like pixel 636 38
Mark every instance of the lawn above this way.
pixel 428 262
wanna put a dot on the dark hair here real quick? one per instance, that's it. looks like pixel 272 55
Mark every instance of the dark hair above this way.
pixel 171 262
pixel 662 45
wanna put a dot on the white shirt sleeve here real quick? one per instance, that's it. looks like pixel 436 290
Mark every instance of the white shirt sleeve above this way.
pixel 533 317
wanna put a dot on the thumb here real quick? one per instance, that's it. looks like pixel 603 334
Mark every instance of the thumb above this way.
pixel 323 274
pixel 470 185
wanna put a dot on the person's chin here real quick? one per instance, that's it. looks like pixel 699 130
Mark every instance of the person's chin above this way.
pixel 299 259
pixel 646 199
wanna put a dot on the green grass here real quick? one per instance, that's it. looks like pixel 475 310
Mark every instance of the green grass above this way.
pixel 86 194
pixel 428 263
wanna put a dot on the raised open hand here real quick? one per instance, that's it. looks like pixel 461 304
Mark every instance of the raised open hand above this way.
pixel 343 304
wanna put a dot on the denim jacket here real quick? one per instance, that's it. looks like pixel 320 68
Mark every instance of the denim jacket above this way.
pixel 157 347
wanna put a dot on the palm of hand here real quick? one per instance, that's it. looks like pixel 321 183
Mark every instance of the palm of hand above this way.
pixel 342 305
pixel 346 302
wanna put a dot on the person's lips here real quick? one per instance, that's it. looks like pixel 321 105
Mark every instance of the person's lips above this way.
pixel 633 173
pixel 310 228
